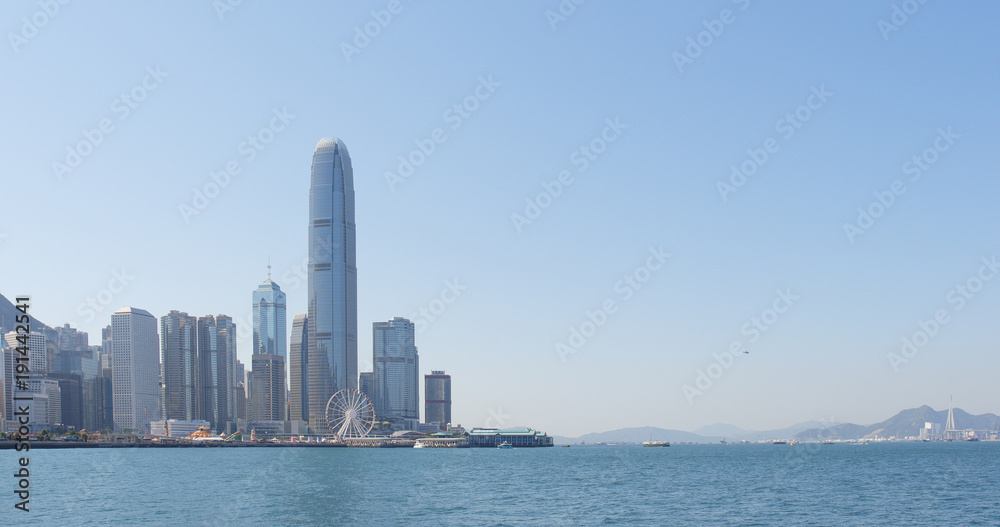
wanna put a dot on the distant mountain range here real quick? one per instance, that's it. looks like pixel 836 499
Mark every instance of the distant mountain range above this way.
pixel 9 314
pixel 904 424
pixel 706 434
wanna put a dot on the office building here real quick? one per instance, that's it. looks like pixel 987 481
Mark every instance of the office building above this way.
pixel 437 398
pixel 298 366
pixel 136 370
pixel 267 387
pixel 396 366
pixel 332 278
pixel 366 384
pixel 269 318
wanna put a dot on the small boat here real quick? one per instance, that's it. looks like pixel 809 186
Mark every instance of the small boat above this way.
pixel 565 446
pixel 419 444
pixel 505 445
pixel 656 443
pixel 779 442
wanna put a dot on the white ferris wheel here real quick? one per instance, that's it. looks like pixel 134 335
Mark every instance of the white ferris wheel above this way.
pixel 349 414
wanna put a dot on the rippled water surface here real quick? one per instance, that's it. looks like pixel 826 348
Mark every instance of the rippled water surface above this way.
pixel 875 484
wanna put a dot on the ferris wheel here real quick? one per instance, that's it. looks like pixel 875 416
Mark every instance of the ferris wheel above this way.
pixel 349 414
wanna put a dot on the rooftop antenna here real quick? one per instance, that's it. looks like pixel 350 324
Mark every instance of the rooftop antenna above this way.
pixel 269 267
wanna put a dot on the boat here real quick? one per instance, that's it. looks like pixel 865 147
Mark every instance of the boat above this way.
pixel 565 446
pixel 505 445
pixel 656 443
pixel 419 444
pixel 779 442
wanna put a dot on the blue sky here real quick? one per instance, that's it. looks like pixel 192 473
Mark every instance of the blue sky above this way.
pixel 547 87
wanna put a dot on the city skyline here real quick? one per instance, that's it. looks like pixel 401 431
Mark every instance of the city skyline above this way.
pixel 628 214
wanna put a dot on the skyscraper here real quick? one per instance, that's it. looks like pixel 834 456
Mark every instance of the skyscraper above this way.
pixel 269 318
pixel 437 398
pixel 366 384
pixel 396 368
pixel 267 390
pixel 136 369
pixel 179 351
pixel 332 276
pixel 298 365
pixel 217 365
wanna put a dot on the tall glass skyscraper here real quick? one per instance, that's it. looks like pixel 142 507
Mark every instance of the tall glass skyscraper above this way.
pixel 269 318
pixel 333 277
pixel 396 364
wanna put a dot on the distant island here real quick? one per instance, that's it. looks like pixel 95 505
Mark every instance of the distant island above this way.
pixel 905 425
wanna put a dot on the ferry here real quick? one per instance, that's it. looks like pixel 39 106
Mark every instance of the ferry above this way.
pixel 656 443
pixel 419 444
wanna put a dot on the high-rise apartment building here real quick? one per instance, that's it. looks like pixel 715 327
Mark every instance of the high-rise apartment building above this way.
pixel 217 364
pixel 179 362
pixel 332 277
pixel 136 370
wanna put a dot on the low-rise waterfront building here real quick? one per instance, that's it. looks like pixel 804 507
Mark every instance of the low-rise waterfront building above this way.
pixel 517 437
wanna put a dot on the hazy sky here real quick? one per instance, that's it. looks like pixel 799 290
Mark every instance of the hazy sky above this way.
pixel 621 122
